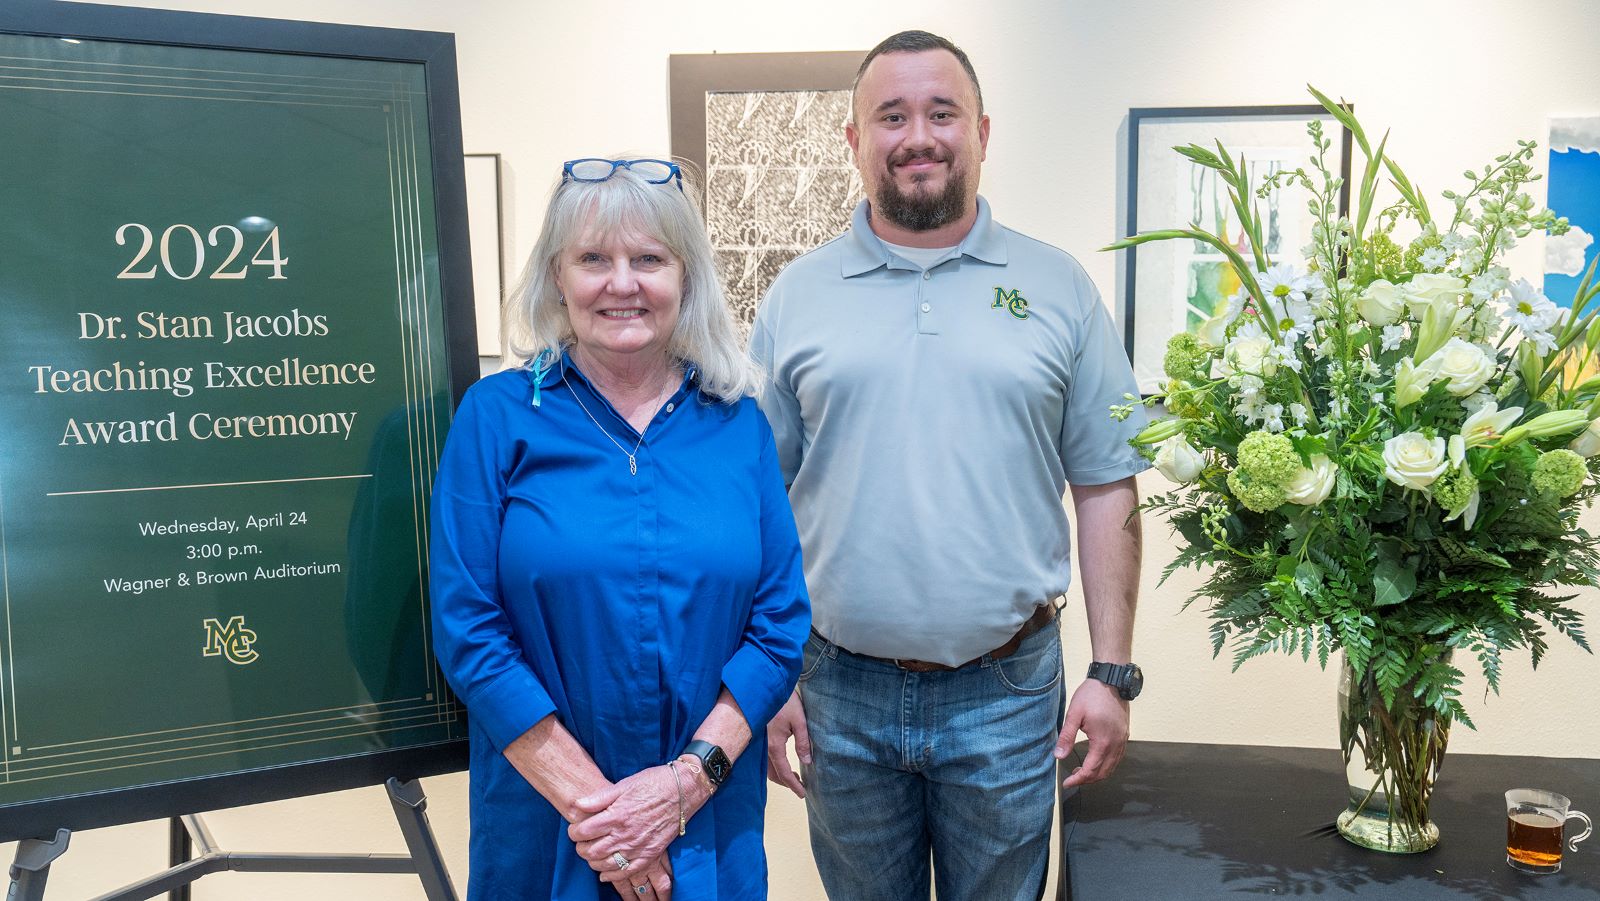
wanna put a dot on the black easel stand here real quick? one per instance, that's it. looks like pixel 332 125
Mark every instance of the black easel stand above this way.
pixel 34 857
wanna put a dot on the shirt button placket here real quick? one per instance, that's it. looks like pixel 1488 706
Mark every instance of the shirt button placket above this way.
pixel 925 323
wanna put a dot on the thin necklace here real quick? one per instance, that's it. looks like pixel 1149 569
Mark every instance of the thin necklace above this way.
pixel 633 458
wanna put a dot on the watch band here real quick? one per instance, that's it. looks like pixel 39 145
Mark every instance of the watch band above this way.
pixel 1126 678
pixel 1112 674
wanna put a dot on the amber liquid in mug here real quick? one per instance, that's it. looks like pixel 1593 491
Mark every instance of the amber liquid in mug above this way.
pixel 1534 838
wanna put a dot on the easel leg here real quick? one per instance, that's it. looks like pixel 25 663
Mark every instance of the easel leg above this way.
pixel 32 866
pixel 410 808
pixel 178 852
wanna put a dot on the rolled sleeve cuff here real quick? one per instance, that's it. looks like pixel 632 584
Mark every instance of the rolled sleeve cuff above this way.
pixel 510 705
pixel 1104 475
pixel 757 685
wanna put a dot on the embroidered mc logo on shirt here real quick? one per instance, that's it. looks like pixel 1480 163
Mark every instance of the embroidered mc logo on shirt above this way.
pixel 1011 301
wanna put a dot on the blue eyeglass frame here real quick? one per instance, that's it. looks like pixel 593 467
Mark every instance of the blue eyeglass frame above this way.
pixel 675 172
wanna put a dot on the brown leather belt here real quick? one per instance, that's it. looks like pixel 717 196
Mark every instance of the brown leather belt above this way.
pixel 1043 616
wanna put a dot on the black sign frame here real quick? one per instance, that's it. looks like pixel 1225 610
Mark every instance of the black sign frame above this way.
pixel 435 52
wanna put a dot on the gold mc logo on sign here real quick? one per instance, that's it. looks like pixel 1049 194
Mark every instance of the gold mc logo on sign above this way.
pixel 232 641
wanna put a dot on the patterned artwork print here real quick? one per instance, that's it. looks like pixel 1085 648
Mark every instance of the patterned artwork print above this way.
pixel 779 182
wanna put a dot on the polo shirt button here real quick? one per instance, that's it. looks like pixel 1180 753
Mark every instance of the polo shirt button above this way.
pixel 669 408
pixel 926 307
pixel 926 274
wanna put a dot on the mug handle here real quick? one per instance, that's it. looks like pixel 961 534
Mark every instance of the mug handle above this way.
pixel 1588 828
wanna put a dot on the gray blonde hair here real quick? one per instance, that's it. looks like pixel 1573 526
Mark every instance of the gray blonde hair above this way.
pixel 705 335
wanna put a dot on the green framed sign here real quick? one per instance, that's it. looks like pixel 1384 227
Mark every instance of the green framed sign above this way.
pixel 237 315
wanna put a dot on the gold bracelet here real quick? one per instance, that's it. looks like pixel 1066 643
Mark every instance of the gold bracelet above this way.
pixel 683 824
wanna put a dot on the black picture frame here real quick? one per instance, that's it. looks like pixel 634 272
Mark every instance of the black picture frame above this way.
pixel 435 52
pixel 777 181
pixel 488 293
pixel 691 76
pixel 1203 125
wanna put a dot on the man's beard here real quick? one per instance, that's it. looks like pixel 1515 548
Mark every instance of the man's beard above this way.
pixel 922 211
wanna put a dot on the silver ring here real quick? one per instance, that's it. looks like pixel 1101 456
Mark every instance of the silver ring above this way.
pixel 642 889
pixel 619 860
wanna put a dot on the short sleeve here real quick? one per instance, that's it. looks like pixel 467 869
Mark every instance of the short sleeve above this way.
pixel 1094 446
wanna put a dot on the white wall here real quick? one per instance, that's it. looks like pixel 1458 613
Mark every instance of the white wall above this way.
pixel 544 81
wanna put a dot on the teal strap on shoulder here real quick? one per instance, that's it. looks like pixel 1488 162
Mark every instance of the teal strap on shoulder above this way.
pixel 536 371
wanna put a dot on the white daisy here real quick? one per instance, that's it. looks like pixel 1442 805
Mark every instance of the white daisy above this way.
pixel 1533 314
pixel 1287 291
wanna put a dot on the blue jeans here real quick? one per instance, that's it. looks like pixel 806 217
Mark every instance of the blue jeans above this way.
pixel 951 769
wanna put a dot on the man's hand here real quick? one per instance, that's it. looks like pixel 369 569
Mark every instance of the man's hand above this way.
pixel 790 721
pixel 1102 715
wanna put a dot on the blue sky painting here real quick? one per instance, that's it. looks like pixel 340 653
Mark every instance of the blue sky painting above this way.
pixel 1574 182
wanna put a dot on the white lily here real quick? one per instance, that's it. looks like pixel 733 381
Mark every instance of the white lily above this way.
pixel 1485 426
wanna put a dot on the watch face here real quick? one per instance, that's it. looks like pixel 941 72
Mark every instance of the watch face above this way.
pixel 717 766
pixel 1132 683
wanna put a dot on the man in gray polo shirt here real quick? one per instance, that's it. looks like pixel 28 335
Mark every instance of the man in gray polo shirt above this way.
pixel 936 381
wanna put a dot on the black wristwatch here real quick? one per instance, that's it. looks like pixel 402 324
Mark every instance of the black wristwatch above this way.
pixel 1126 678
pixel 712 760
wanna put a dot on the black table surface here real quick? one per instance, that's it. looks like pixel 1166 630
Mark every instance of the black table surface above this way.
pixel 1180 821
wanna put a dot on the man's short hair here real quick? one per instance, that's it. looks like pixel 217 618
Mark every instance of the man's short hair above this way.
pixel 916 42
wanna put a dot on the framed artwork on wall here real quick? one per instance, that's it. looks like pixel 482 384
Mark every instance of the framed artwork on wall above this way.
pixel 1173 286
pixel 765 134
pixel 1574 192
pixel 486 226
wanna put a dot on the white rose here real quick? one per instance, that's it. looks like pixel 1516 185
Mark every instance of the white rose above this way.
pixel 1250 355
pixel 1587 443
pixel 1413 460
pixel 1178 460
pixel 1311 486
pixel 1428 287
pixel 1382 303
pixel 1465 366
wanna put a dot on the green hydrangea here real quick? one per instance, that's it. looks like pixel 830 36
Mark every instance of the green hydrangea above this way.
pixel 1559 473
pixel 1388 258
pixel 1453 490
pixel 1256 494
pixel 1269 457
pixel 1418 248
pixel 1185 356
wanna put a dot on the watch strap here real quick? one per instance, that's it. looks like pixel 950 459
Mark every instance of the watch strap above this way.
pixel 1112 674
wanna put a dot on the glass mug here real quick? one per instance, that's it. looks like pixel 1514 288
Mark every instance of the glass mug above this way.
pixel 1534 823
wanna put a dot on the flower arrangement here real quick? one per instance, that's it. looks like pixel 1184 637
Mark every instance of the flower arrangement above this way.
pixel 1382 447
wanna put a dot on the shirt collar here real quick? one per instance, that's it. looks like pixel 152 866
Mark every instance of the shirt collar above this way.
pixel 542 374
pixel 864 251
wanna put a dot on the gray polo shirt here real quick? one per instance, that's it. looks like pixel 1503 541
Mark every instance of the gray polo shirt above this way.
pixel 928 422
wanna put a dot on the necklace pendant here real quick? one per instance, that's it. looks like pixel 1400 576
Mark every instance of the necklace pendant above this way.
pixel 633 465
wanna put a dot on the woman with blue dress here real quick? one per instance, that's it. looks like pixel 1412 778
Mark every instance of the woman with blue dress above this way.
pixel 616 579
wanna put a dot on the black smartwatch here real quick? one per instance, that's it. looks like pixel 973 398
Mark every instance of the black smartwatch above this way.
pixel 712 760
pixel 1126 678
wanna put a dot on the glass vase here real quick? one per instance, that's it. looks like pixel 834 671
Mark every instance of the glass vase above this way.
pixel 1392 757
